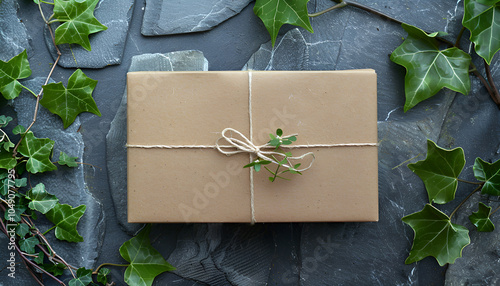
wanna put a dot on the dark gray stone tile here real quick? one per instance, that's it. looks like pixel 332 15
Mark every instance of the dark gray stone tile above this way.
pixel 177 17
pixel 13 36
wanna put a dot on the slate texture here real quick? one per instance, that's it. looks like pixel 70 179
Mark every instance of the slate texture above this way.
pixel 473 123
pixel 13 36
pixel 107 46
pixel 177 17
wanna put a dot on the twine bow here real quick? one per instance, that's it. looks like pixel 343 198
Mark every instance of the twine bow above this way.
pixel 246 146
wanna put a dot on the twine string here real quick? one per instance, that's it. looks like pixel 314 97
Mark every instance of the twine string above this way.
pixel 247 146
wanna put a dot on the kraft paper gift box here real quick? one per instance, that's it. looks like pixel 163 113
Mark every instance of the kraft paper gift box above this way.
pixel 175 173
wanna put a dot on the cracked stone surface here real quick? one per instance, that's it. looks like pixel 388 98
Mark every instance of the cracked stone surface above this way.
pixel 66 183
pixel 107 46
pixel 176 17
pixel 211 253
pixel 13 36
pixel 472 119
pixel 117 136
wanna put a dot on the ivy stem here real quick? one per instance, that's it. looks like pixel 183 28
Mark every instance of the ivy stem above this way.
pixel 110 264
pixel 29 255
pixel 3 201
pixel 494 88
pixel 469 182
pixel 49 230
pixel 485 83
pixel 276 172
pixel 50 3
pixel 4 135
pixel 464 200
pixel 55 21
pixel 54 254
pixel 14 152
pixel 339 5
pixel 459 37
pixel 498 208
pixel 41 12
pixel 53 258
pixel 25 260
pixel 32 274
pixel 29 90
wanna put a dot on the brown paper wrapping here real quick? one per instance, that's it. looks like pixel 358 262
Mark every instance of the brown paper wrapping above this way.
pixel 203 185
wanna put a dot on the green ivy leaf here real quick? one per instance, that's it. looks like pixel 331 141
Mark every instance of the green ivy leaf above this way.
pixel 19 208
pixel 23 182
pixel 7 145
pixel 481 219
pixel 275 142
pixel 38 152
pixel 145 262
pixel 10 72
pixel 6 185
pixel 440 171
pixel 28 245
pixel 71 101
pixel 275 13
pixel 41 200
pixel 4 120
pixel 39 258
pixel 102 275
pixel 19 129
pixel 64 159
pixel 435 236
pixel 56 269
pixel 22 229
pixel 83 277
pixel 489 174
pixel 65 219
pixel 257 167
pixel 6 160
pixel 429 69
pixel 481 18
pixel 78 22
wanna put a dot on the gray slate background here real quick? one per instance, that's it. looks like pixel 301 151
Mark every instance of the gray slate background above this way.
pixel 274 254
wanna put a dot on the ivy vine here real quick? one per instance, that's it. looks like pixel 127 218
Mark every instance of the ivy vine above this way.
pixel 432 63
pixel 22 153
